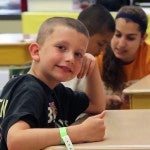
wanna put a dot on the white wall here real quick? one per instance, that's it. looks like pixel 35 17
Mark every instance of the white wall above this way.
pixel 4 77
pixel 49 5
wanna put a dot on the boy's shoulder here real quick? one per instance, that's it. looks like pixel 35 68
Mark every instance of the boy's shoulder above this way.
pixel 22 81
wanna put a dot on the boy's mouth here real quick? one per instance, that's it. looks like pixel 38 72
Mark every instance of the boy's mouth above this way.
pixel 65 68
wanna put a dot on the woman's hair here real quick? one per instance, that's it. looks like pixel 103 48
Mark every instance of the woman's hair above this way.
pixel 97 19
pixel 48 27
pixel 135 14
pixel 112 71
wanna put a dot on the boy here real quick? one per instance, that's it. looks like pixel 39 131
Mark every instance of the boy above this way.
pixel 35 106
pixel 101 27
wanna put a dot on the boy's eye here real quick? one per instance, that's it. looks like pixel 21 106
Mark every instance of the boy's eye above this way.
pixel 117 35
pixel 78 54
pixel 101 44
pixel 61 47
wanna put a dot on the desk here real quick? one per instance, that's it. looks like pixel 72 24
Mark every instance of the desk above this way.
pixel 125 130
pixel 139 94
pixel 14 48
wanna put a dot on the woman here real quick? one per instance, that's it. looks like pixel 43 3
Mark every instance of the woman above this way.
pixel 128 59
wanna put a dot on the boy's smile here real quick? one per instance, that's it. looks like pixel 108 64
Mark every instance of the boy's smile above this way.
pixel 61 56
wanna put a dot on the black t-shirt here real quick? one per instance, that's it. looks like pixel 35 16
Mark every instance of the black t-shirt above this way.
pixel 29 99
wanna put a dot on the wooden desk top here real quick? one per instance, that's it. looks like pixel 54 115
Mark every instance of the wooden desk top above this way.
pixel 125 130
pixel 16 38
pixel 141 86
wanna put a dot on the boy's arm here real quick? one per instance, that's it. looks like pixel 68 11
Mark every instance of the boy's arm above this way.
pixel 21 137
pixel 94 85
pixel 95 91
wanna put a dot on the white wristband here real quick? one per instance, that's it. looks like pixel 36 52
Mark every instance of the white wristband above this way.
pixel 65 138
pixel 68 142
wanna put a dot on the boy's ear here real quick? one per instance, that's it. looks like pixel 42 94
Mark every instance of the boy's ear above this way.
pixel 34 51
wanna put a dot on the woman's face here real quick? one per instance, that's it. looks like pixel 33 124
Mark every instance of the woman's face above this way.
pixel 126 40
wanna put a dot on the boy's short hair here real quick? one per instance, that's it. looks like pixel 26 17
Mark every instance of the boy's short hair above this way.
pixel 97 19
pixel 48 26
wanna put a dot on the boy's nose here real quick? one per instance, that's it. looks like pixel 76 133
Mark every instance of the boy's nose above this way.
pixel 70 57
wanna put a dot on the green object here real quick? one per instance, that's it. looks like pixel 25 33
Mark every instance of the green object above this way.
pixel 18 70
pixel 63 133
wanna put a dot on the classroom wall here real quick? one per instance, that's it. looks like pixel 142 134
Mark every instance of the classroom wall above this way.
pixel 58 7
pixel 10 26
pixel 15 26
pixel 49 5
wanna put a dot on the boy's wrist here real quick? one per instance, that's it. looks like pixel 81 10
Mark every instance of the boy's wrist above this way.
pixel 63 133
pixel 65 138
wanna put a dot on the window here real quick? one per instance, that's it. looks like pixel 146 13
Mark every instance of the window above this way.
pixel 8 7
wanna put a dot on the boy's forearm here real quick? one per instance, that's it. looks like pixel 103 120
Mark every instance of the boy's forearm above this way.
pixel 33 139
pixel 40 138
pixel 95 91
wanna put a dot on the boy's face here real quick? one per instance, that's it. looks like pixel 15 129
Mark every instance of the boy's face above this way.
pixel 98 42
pixel 62 53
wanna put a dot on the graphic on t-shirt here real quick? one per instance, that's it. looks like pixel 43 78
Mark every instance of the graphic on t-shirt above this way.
pixel 52 112
pixel 3 105
pixel 52 117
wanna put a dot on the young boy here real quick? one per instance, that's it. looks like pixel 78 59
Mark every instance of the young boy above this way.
pixel 101 27
pixel 35 106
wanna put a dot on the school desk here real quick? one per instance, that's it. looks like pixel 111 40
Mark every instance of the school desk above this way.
pixel 14 49
pixel 125 130
pixel 139 94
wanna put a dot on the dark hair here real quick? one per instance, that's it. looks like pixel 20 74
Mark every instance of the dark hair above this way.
pixel 113 5
pixel 48 27
pixel 112 71
pixel 135 14
pixel 97 19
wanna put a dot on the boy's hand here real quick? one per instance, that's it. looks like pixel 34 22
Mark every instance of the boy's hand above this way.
pixel 94 128
pixel 88 65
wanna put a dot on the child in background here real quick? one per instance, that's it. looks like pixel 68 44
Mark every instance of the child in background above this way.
pixel 37 105
pixel 101 27
pixel 128 58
